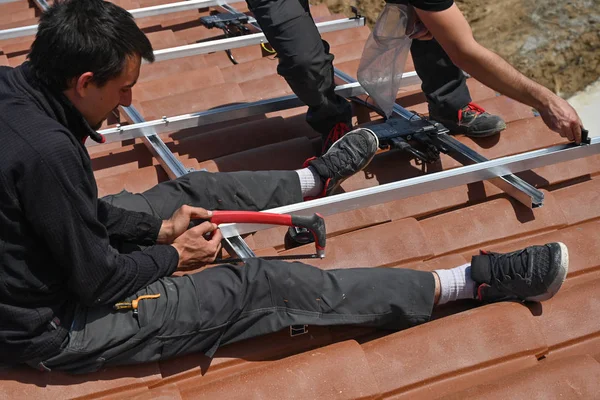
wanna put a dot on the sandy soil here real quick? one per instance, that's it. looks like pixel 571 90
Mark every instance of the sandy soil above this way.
pixel 555 42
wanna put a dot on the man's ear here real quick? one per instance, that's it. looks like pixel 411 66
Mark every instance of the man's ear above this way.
pixel 82 83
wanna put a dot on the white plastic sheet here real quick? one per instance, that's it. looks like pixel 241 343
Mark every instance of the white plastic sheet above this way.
pixel 384 56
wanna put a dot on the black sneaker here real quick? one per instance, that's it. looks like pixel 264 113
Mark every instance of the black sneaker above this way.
pixel 347 156
pixel 535 273
pixel 471 120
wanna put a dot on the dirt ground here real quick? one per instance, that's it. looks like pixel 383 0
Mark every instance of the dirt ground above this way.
pixel 555 42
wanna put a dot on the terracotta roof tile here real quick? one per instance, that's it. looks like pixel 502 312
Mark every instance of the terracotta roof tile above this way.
pixel 450 354
pixel 387 244
pixel 572 378
pixel 339 371
pixel 580 202
pixel 491 221
pixel 171 67
pixel 569 320
pixel 192 101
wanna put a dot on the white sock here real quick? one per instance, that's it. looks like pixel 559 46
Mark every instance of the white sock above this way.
pixel 310 182
pixel 456 284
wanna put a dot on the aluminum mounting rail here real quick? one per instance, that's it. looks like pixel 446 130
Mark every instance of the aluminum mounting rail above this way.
pixel 510 184
pixel 246 40
pixel 226 113
pixel 171 164
pixel 136 13
pixel 427 183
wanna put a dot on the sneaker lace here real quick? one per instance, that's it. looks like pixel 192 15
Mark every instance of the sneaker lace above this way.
pixel 471 107
pixel 336 133
pixel 506 266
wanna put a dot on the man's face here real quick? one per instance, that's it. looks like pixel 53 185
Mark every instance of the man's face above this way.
pixel 97 102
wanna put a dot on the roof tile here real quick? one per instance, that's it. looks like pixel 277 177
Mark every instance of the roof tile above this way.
pixel 491 221
pixel 450 354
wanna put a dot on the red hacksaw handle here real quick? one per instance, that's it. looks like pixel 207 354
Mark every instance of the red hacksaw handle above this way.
pixel 250 217
pixel 315 223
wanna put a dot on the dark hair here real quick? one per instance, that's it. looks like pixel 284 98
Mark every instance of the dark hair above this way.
pixel 77 36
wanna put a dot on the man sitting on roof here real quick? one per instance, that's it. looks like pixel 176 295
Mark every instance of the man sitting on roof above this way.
pixel 63 263
pixel 439 52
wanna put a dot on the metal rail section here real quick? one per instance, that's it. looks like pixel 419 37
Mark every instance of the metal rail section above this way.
pixel 226 113
pixel 246 40
pixel 510 184
pixel 171 164
pixel 428 183
pixel 136 13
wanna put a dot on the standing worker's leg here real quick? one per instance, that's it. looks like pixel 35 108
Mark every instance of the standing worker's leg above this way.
pixel 445 87
pixel 305 63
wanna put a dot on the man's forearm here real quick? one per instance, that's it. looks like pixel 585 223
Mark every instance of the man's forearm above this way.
pixel 490 69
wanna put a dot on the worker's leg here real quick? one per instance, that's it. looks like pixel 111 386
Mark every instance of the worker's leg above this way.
pixel 225 304
pixel 254 191
pixel 443 83
pixel 445 87
pixel 304 60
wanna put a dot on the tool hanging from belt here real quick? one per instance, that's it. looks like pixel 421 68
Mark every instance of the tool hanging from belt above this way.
pixel 314 225
pixel 133 305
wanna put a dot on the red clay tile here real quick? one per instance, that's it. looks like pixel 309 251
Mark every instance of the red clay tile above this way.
pixel 286 155
pixel 490 222
pixel 347 52
pixel 163 39
pixel 182 82
pixel 251 70
pixel 170 392
pixel 120 161
pixel 387 244
pixel 209 145
pixel 17 24
pixel 265 88
pixel 572 378
pixel 558 173
pixel 509 109
pixel 169 68
pixel 193 101
pixel 339 371
pixel 346 36
pixel 430 203
pixel 569 320
pixel 450 354
pixel 27 383
pixel 580 202
pixel 4 60
pixel 17 16
pixel 14 6
pixel 229 360
pixel 520 136
pixel 135 181
pixel 17 60
pixel 18 48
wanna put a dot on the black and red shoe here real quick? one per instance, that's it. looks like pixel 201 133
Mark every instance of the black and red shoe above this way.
pixel 471 120
pixel 535 273
pixel 345 157
pixel 335 134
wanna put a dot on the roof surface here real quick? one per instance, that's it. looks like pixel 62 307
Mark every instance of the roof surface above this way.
pixel 505 350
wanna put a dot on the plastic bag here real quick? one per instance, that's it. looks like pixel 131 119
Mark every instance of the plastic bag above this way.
pixel 384 56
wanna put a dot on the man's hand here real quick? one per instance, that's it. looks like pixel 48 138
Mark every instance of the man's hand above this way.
pixel 179 222
pixel 562 118
pixel 195 249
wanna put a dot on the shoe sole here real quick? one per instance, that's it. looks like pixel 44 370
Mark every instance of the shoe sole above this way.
pixel 556 284
pixel 366 164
